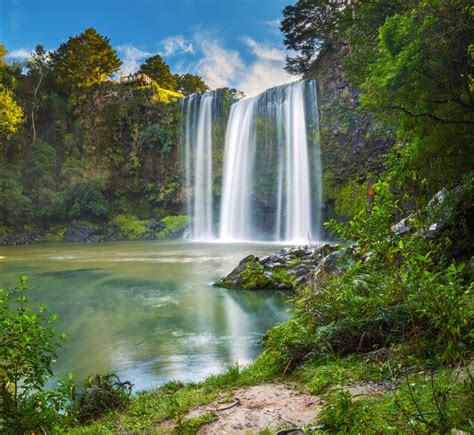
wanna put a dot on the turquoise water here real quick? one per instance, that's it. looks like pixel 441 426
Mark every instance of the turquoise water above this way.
pixel 146 310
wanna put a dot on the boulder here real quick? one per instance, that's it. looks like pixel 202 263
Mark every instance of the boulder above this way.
pixel 286 269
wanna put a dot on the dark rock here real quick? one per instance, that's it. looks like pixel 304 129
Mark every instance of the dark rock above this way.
pixel 21 238
pixel 286 269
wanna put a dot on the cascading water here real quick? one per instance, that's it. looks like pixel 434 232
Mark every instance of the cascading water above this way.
pixel 270 190
pixel 239 159
pixel 272 184
pixel 198 111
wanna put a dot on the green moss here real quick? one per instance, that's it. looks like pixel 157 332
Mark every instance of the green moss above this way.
pixel 349 198
pixel 253 276
pixel 287 278
pixel 55 234
pixel 174 226
pixel 130 227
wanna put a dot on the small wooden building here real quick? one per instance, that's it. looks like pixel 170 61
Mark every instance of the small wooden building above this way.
pixel 134 78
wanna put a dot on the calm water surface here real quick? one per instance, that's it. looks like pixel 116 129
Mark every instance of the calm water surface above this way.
pixel 146 310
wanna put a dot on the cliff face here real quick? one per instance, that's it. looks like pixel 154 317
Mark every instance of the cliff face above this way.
pixel 351 141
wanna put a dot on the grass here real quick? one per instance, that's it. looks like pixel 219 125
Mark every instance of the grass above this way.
pixel 422 400
pixel 174 399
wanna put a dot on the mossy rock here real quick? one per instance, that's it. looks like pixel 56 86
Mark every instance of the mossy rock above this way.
pixel 55 234
pixel 130 227
pixel 174 227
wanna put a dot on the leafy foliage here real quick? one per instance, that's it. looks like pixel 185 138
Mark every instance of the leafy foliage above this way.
pixel 158 70
pixel 11 114
pixel 174 226
pixel 191 84
pixel 102 394
pixel 130 227
pixel 85 60
pixel 28 345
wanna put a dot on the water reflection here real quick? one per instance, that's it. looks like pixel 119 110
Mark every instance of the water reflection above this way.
pixel 146 310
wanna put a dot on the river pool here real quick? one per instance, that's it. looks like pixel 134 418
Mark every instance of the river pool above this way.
pixel 146 310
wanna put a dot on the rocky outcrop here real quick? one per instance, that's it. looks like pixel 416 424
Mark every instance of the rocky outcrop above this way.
pixel 285 270
pixel 20 238
pixel 351 141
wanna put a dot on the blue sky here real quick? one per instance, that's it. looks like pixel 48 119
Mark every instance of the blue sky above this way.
pixel 228 42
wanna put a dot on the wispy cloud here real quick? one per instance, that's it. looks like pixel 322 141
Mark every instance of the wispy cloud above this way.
pixel 132 57
pixel 275 24
pixel 176 45
pixel 263 51
pixel 20 54
pixel 218 66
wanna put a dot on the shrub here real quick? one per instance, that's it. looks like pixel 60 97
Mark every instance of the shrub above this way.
pixel 87 199
pixel 130 227
pixel 28 345
pixel 398 287
pixel 102 393
pixel 174 226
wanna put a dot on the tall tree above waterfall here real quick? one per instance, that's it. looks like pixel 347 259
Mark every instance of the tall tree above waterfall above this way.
pixel 85 60
pixel 191 84
pixel 158 70
pixel 311 25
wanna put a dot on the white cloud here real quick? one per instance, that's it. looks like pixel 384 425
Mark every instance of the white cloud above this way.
pixel 132 57
pixel 262 75
pixel 218 66
pixel 263 51
pixel 20 54
pixel 176 45
pixel 275 24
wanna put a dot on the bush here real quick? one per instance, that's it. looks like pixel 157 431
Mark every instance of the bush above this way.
pixel 28 346
pixel 174 226
pixel 102 393
pixel 130 227
pixel 396 288
pixel 87 199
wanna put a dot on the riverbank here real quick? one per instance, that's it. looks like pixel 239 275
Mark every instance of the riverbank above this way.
pixel 380 392
pixel 121 227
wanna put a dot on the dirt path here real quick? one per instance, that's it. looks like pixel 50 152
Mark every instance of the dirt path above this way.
pixel 266 406
pixel 271 406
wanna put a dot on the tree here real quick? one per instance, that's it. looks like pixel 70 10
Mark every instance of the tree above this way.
pixel 191 84
pixel 420 81
pixel 158 70
pixel 312 25
pixel 307 26
pixel 11 115
pixel 85 60
pixel 38 68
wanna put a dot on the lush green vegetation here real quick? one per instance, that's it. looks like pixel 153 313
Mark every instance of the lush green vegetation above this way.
pixel 401 311
pixel 75 144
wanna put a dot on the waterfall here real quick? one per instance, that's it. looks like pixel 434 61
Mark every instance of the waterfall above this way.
pixel 267 165
pixel 235 222
pixel 198 113
pixel 271 170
